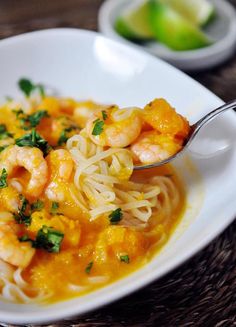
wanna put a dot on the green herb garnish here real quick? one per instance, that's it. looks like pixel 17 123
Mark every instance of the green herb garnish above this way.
pixel 30 121
pixel 104 114
pixel 37 206
pixel 27 87
pixel 124 258
pixel 23 215
pixel 41 90
pixel 25 238
pixel 116 216
pixel 3 147
pixel 33 139
pixel 54 207
pixel 89 267
pixel 98 124
pixel 63 136
pixel 98 127
pixel 48 239
pixel 4 134
pixel 3 128
pixel 22 117
pixel 18 112
pixel 3 179
pixel 35 118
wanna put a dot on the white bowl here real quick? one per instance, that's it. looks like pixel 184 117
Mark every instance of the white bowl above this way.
pixel 222 30
pixel 84 65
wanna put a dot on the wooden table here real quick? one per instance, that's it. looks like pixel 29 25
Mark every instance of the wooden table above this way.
pixel 202 292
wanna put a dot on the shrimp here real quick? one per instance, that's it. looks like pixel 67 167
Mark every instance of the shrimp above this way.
pixel 61 166
pixel 13 251
pixel 163 118
pixel 119 129
pixel 85 109
pixel 153 147
pixel 53 128
pixel 61 187
pixel 32 160
pixel 9 197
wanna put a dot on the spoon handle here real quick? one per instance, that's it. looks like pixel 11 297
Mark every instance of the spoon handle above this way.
pixel 210 116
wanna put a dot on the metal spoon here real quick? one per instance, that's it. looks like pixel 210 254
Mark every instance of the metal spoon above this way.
pixel 194 129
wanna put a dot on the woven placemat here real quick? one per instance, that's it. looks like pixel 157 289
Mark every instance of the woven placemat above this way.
pixel 202 292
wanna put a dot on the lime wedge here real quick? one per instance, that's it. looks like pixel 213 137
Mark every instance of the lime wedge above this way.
pixel 199 12
pixel 133 23
pixel 173 30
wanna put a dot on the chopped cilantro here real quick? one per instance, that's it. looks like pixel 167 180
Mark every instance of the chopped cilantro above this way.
pixel 89 267
pixel 115 216
pixel 124 258
pixel 48 239
pixel 29 121
pixel 24 202
pixel 35 118
pixel 23 215
pixel 21 116
pixel 3 178
pixel 37 206
pixel 104 114
pixel 63 136
pixel 98 127
pixel 2 128
pixel 25 238
pixel 27 87
pixel 3 147
pixel 4 134
pixel 41 90
pixel 18 112
pixel 54 207
pixel 33 139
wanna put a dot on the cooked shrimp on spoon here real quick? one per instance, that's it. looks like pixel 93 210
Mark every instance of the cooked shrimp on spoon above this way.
pixel 156 135
pixel 171 136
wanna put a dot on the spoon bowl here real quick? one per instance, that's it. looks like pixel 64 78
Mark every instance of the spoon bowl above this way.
pixel 194 129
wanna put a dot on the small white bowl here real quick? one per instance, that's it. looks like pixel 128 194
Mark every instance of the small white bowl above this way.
pixel 222 29
pixel 84 65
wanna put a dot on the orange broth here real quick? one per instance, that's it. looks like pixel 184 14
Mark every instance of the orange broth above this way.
pixel 79 261
pixel 53 272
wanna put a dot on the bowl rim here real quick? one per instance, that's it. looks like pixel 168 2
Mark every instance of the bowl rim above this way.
pixel 54 314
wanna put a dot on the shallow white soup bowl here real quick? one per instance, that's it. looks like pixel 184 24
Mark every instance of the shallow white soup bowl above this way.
pixel 86 65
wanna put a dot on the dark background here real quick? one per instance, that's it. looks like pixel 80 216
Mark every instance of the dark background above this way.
pixel 202 292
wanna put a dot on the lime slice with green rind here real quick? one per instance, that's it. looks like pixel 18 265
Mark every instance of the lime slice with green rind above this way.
pixel 173 30
pixel 133 23
pixel 199 12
